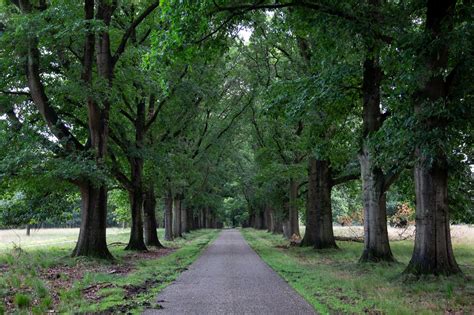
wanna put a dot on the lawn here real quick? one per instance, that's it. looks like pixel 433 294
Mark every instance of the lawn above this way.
pixel 333 282
pixel 37 274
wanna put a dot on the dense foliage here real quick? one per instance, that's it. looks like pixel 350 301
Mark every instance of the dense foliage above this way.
pixel 265 114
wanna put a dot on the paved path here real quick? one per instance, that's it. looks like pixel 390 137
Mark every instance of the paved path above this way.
pixel 230 278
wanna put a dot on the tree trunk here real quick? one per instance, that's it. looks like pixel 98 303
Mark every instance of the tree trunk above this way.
pixel 168 216
pixel 433 253
pixel 294 224
pixel 376 243
pixel 28 229
pixel 270 219
pixel 136 241
pixel 277 225
pixel 285 226
pixel 189 219
pixel 319 231
pixel 208 218
pixel 202 217
pixel 184 218
pixel 92 239
pixel 149 207
pixel 92 235
pixel 258 219
pixel 176 217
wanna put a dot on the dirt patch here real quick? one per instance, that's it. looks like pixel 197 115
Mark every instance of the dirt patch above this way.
pixel 153 253
pixel 91 292
pixel 3 269
pixel 137 289
pixel 62 278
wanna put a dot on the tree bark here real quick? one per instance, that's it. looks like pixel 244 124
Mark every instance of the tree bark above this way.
pixel 28 229
pixel 270 218
pixel 277 224
pixel 319 231
pixel 92 235
pixel 376 243
pixel 285 226
pixel 433 253
pixel 92 239
pixel 136 241
pixel 149 207
pixel 294 223
pixel 208 218
pixel 257 219
pixel 168 216
pixel 176 217
pixel 184 218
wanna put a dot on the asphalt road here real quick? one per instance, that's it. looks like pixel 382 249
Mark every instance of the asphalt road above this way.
pixel 230 278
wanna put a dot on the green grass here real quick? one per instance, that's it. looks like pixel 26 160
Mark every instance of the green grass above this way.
pixel 333 282
pixel 34 280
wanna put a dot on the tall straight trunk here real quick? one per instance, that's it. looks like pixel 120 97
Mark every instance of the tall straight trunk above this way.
pixel 168 216
pixel 294 223
pixel 319 231
pixel 376 243
pixel 184 215
pixel 263 218
pixel 176 217
pixel 433 253
pixel 285 226
pixel 92 235
pixel 92 239
pixel 196 222
pixel 189 220
pixel 270 218
pixel 208 218
pixel 136 241
pixel 277 225
pixel 258 219
pixel 252 220
pixel 149 218
pixel 202 218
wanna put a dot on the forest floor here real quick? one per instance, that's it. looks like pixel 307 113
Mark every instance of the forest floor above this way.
pixel 333 282
pixel 37 274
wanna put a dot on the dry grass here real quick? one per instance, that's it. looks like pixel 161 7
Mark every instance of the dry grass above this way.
pixel 46 237
pixel 459 233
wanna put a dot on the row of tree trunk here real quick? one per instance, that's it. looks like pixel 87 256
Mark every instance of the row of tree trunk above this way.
pixel 433 252
pixel 180 218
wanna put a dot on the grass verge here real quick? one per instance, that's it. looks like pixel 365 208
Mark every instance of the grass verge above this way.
pixel 333 282
pixel 40 280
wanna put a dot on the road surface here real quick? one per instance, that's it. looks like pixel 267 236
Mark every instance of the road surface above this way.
pixel 230 278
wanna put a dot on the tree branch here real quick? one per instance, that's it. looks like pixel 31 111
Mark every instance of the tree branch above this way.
pixel 131 28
